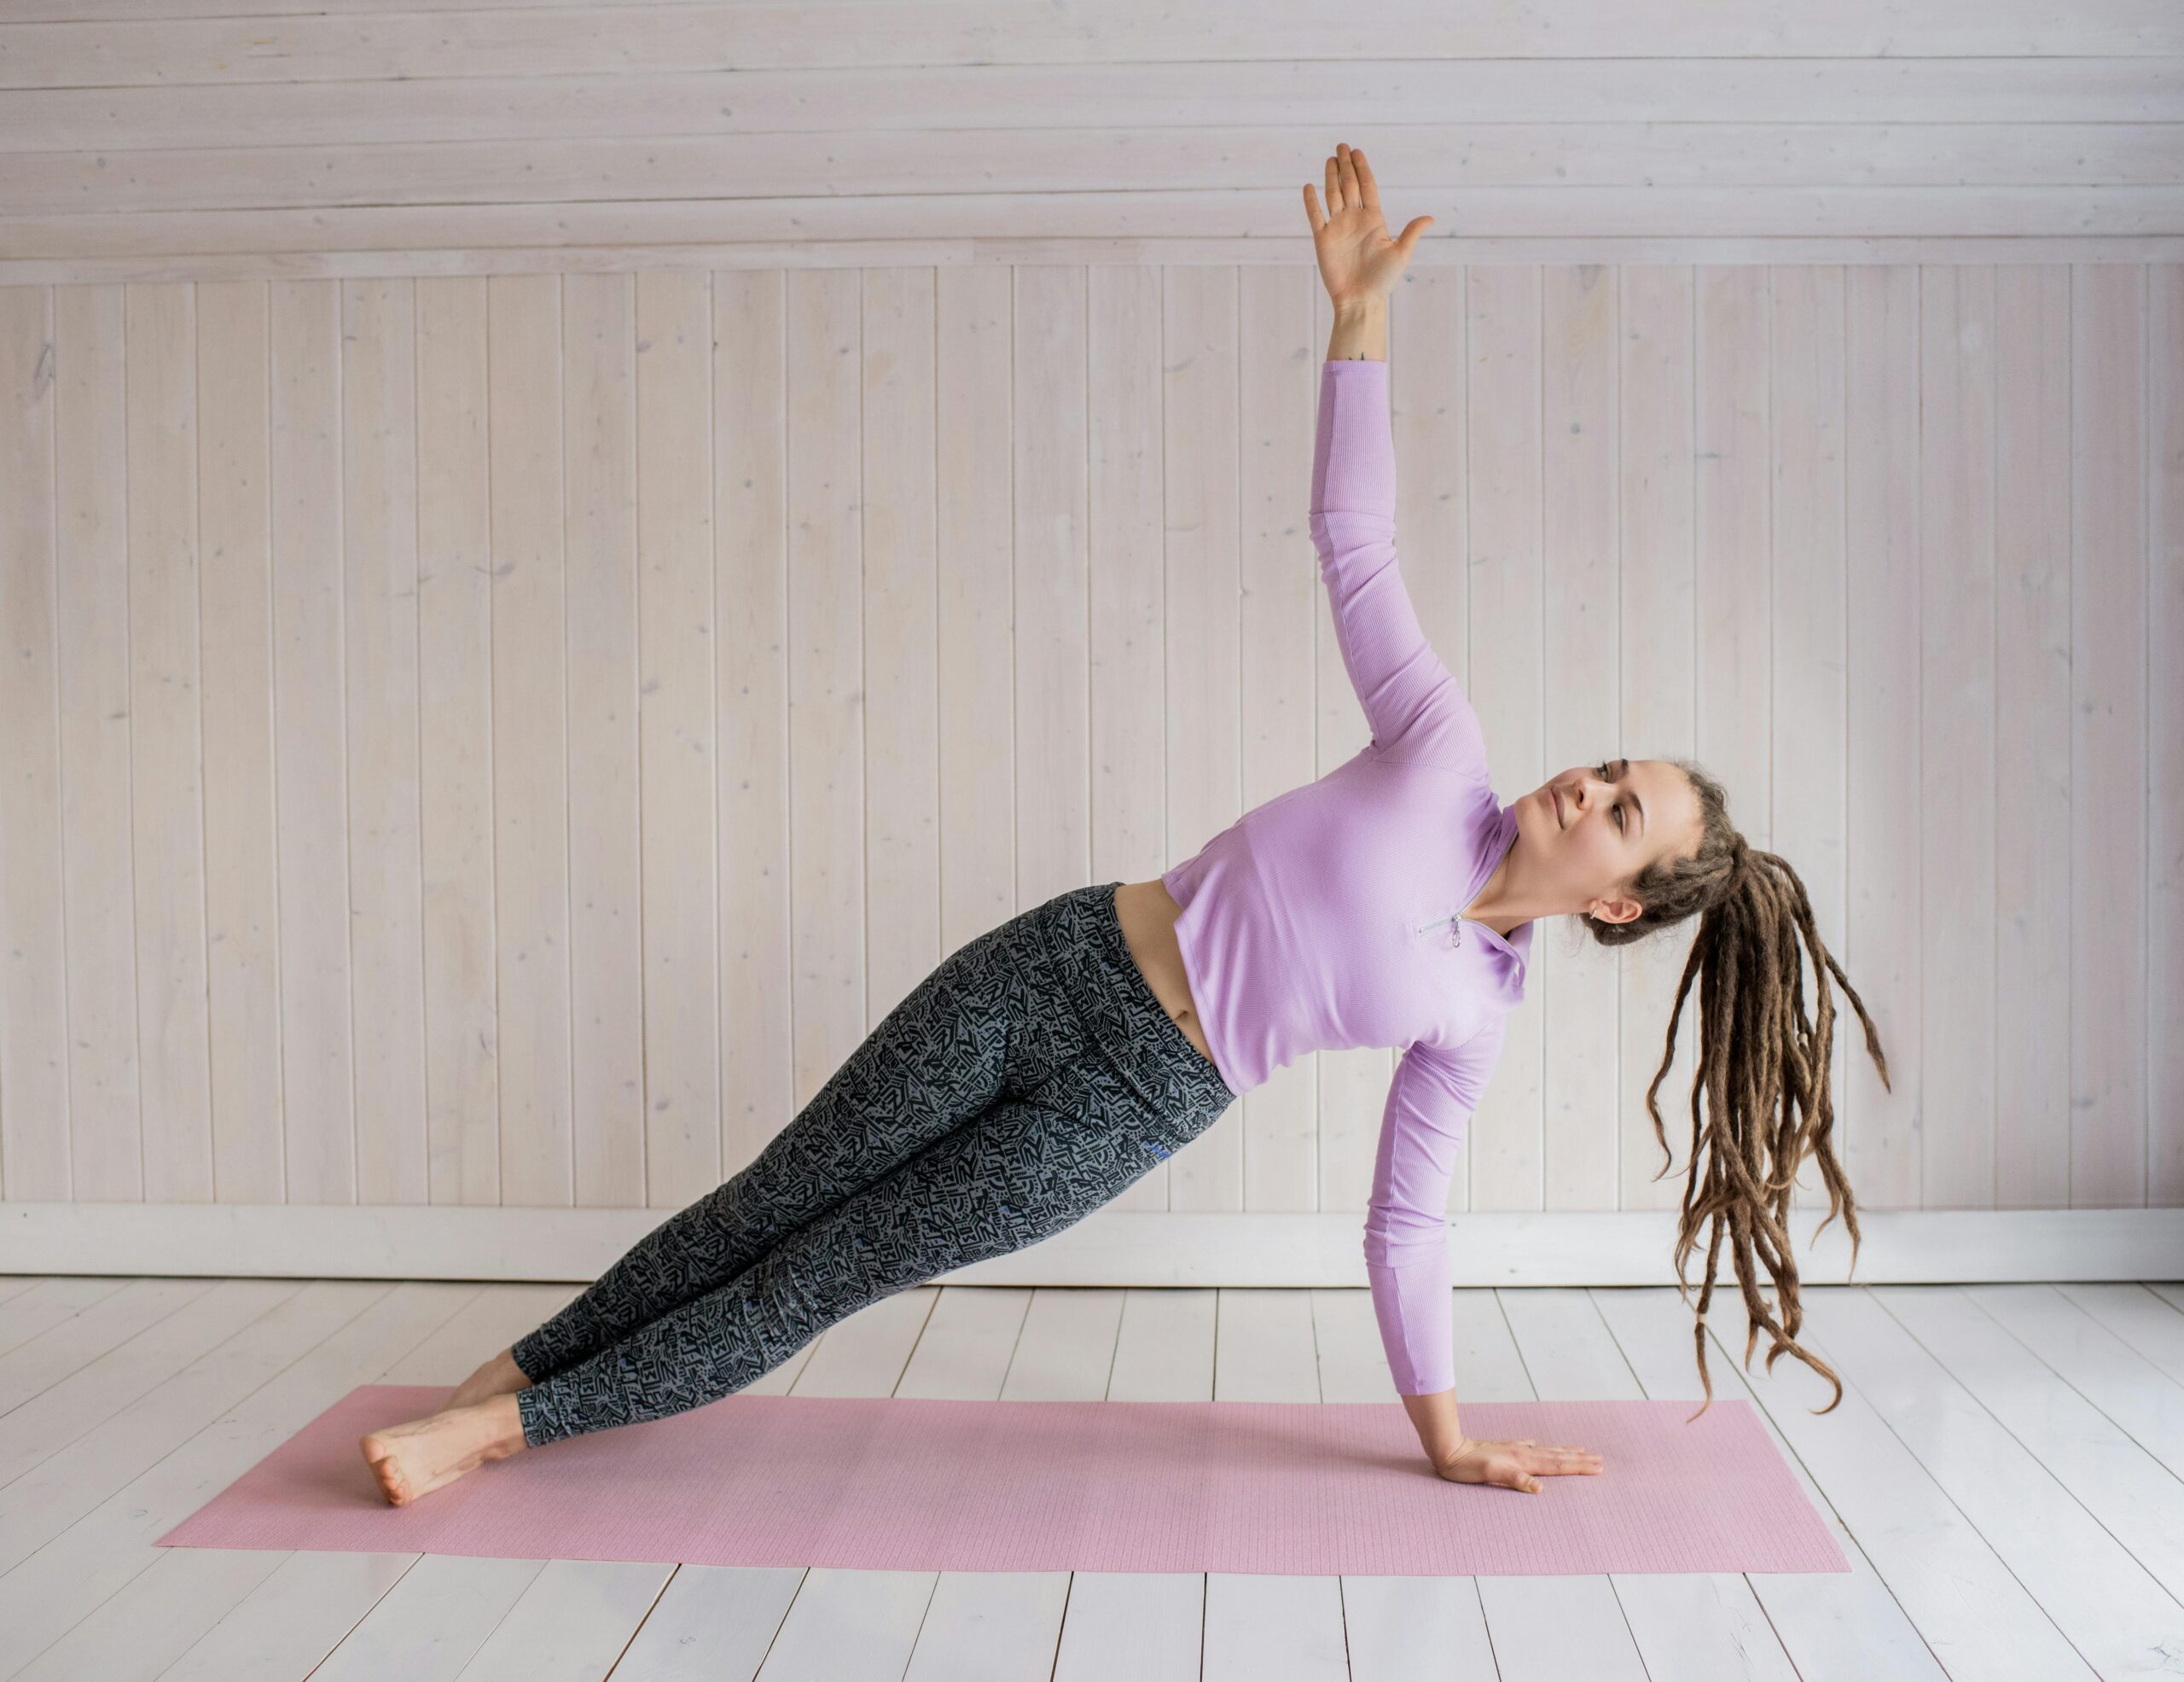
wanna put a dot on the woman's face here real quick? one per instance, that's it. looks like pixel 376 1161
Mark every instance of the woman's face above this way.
pixel 1613 820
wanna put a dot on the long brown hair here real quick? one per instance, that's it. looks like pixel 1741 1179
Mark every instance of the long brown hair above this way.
pixel 1763 1065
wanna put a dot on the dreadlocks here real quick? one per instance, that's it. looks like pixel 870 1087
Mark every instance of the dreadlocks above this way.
pixel 1763 1066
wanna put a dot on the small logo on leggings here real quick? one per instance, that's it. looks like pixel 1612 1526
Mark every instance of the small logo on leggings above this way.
pixel 1159 1150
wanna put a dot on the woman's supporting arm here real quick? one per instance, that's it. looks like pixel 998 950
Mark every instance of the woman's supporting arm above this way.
pixel 1435 1416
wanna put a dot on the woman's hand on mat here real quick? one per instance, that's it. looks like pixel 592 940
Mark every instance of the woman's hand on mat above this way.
pixel 1357 259
pixel 1518 1464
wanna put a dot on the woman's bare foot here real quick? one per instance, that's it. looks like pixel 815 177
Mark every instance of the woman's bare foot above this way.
pixel 414 1459
pixel 500 1377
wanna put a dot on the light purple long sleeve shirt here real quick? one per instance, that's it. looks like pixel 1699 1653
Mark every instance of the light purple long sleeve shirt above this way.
pixel 1330 916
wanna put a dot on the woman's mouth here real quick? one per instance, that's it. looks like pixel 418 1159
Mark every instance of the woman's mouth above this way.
pixel 1555 794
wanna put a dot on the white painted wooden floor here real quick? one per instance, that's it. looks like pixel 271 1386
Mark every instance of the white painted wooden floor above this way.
pixel 2004 1476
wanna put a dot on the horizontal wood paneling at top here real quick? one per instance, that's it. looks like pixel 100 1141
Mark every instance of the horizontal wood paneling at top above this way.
pixel 435 142
pixel 197 43
pixel 1840 213
pixel 2002 28
pixel 1468 170
pixel 1243 110
pixel 505 741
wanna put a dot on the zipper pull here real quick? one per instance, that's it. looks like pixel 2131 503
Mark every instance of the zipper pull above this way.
pixel 1454 920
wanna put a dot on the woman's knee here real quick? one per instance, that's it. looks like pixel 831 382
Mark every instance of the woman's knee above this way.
pixel 856 1253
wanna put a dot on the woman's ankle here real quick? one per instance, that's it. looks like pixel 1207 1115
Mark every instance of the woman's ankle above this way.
pixel 498 1377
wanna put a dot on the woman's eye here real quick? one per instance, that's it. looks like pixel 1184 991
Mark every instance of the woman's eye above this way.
pixel 1602 769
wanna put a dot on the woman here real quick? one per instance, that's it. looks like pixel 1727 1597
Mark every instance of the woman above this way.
pixel 1048 1063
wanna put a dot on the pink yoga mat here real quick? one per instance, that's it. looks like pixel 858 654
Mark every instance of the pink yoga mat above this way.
pixel 1306 1488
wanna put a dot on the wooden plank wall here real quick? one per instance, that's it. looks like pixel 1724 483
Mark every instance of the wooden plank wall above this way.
pixel 505 740
pixel 160 139
pixel 555 558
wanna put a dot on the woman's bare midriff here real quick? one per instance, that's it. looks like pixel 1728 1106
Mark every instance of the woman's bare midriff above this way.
pixel 1148 912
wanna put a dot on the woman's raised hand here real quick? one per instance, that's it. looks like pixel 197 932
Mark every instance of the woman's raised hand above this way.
pixel 1357 259
pixel 1513 1465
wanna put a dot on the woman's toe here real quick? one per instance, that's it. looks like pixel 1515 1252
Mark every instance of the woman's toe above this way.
pixel 386 1467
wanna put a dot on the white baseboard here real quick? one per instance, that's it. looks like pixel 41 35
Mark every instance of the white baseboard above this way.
pixel 1110 1247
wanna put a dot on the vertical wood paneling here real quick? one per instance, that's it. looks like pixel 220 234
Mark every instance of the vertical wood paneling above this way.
pixel 1046 540
pixel 973 421
pixel 1805 534
pixel 378 506
pixel 2108 737
pixel 1733 675
pixel 1200 445
pixel 626 1146
pixel 1279 601
pixel 455 744
pixel 679 1071
pixel 1507 635
pixel 1581 720
pixel 1429 375
pixel 33 1026
pixel 530 759
pixel 1735 671
pixel 830 898
pixel 166 744
pixel 242 912
pixel 1956 734
pixel 317 1092
pixel 2032 736
pixel 1877 1130
pixel 1736 675
pixel 1893 556
pixel 1658 661
pixel 902 744
pixel 1062 780
pixel 105 1141
pixel 750 561
pixel 1128 567
pixel 2164 997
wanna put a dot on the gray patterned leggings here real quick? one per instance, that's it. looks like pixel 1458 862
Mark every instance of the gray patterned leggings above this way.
pixel 1029 1079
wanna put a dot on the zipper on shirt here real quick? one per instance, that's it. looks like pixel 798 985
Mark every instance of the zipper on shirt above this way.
pixel 1456 918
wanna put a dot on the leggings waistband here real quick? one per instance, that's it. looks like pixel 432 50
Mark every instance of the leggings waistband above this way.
pixel 1082 932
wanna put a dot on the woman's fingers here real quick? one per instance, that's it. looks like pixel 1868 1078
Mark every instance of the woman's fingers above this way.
pixel 1368 190
pixel 1519 1464
pixel 1559 1457
pixel 1352 190
pixel 1351 185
